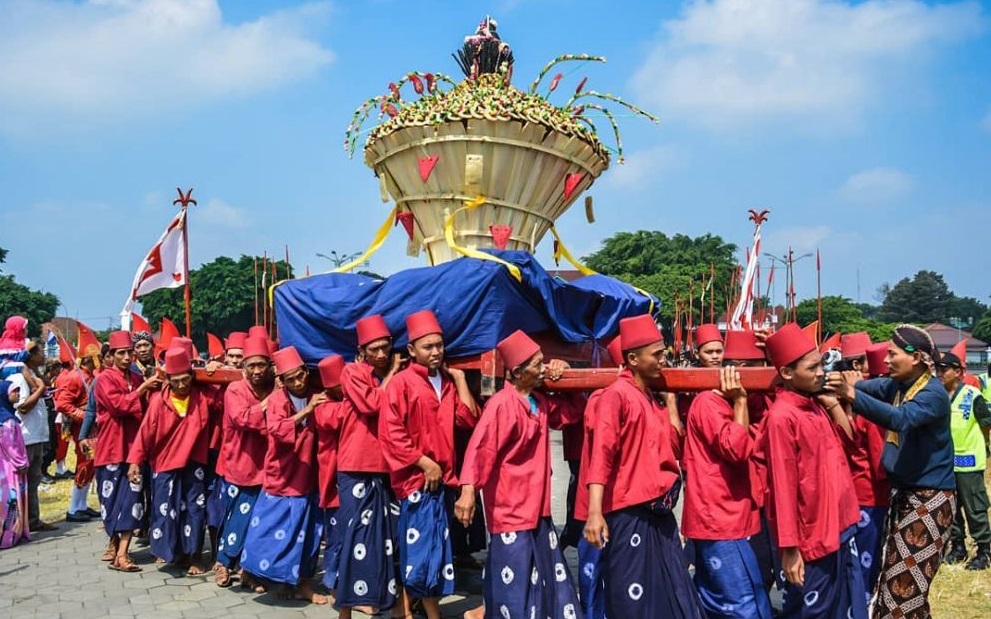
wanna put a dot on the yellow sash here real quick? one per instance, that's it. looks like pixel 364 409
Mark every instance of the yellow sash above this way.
pixel 922 381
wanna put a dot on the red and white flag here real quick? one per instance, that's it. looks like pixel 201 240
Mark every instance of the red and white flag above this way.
pixel 164 266
pixel 744 312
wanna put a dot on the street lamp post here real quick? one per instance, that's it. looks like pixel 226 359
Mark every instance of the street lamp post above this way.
pixel 788 261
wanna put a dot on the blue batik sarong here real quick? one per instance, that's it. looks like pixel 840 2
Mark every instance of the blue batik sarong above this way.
pixel 178 500
pixel 526 575
pixel 425 556
pixel 216 505
pixel 833 587
pixel 366 571
pixel 644 569
pixel 591 587
pixel 283 538
pixel 870 537
pixel 240 502
pixel 766 551
pixel 729 580
pixel 122 504
pixel 332 546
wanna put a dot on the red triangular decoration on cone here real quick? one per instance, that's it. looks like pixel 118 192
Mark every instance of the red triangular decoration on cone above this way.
pixel 570 182
pixel 406 218
pixel 427 166
pixel 500 235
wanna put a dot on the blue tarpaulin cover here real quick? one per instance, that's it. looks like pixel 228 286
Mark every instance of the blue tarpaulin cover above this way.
pixel 477 302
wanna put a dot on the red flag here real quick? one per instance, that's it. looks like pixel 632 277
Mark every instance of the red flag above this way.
pixel 169 331
pixel 139 324
pixel 406 218
pixel 811 329
pixel 833 341
pixel 66 352
pixel 214 345
pixel 88 345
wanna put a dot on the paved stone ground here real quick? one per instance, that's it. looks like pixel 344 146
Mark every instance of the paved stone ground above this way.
pixel 59 574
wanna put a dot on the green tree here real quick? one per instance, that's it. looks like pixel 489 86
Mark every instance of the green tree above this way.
pixel 982 330
pixel 668 267
pixel 223 298
pixel 967 310
pixel 17 299
pixel 924 298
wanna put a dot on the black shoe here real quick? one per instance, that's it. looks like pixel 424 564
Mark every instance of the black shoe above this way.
pixel 958 554
pixel 45 479
pixel 92 513
pixel 980 562
pixel 66 475
pixel 79 516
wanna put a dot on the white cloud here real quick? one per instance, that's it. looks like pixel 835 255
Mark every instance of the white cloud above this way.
pixel 642 166
pixel 102 61
pixel 220 214
pixel 733 62
pixel 877 185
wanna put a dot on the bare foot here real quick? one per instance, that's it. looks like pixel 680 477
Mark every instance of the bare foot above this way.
pixel 194 570
pixel 249 582
pixel 306 593
pixel 222 577
pixel 475 613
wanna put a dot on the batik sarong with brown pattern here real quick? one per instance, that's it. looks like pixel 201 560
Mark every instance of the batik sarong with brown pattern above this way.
pixel 920 522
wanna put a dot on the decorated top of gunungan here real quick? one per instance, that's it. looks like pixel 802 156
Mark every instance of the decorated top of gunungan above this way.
pixel 486 93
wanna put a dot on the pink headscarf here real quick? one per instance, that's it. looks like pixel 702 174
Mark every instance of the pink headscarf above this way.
pixel 14 334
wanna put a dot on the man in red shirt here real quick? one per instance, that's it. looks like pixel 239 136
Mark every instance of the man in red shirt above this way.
pixel 422 405
pixel 173 441
pixel 243 453
pixel 812 504
pixel 869 478
pixel 633 483
pixel 72 391
pixel 121 396
pixel 284 533
pixel 720 512
pixel 508 459
pixel 365 575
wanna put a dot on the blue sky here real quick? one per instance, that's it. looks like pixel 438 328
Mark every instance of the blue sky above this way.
pixel 864 126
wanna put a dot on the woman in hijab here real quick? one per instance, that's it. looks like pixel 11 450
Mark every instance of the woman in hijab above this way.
pixel 12 346
pixel 914 408
pixel 13 471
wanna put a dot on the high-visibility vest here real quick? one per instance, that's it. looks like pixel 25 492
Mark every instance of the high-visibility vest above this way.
pixel 985 386
pixel 969 451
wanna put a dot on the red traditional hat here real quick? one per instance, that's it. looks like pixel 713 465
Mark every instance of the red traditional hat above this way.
pixel 876 354
pixel 516 349
pixel 177 361
pixel 788 344
pixel 371 328
pixel 256 347
pixel 120 340
pixel 235 340
pixel 615 349
pixel 258 331
pixel 286 360
pixel 184 343
pixel 330 371
pixel 420 324
pixel 854 345
pixel 742 346
pixel 638 331
pixel 707 333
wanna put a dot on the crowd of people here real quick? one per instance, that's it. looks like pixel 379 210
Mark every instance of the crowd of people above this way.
pixel 845 487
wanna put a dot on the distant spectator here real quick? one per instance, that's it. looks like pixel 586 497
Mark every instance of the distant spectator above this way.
pixel 13 470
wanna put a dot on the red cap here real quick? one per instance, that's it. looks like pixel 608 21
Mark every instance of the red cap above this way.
pixel 615 349
pixel 876 354
pixel 258 331
pixel 256 347
pixel 854 345
pixel 638 331
pixel 177 361
pixel 330 371
pixel 742 346
pixel 516 349
pixel 707 333
pixel 371 328
pixel 235 340
pixel 788 344
pixel 120 340
pixel 420 324
pixel 184 343
pixel 286 360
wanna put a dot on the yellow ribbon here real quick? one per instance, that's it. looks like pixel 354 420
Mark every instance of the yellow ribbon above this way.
pixel 471 253
pixel 562 252
pixel 380 237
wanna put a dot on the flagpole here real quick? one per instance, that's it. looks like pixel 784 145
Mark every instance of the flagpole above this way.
pixel 256 290
pixel 184 200
pixel 818 298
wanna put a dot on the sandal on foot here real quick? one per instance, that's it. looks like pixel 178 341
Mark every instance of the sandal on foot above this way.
pixel 124 566
pixel 223 576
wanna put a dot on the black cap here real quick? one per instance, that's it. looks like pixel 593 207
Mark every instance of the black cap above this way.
pixel 949 360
